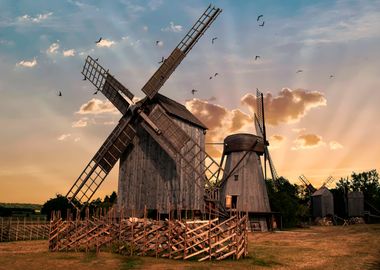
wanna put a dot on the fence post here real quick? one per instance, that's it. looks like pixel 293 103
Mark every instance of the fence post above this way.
pixel 10 229
pixel 2 229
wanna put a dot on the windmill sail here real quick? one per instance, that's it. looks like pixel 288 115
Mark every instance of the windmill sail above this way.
pixel 101 164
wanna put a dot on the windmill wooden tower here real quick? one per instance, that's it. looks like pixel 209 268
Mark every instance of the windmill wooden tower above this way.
pixel 243 186
pixel 156 123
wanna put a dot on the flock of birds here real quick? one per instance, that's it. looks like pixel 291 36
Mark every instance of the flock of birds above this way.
pixel 260 22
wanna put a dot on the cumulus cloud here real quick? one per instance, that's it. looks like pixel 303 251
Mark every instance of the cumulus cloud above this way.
pixel 276 141
pixel 109 123
pixel 37 19
pixel 63 137
pixel 68 53
pixel 80 123
pixel 288 106
pixel 105 43
pixel 172 28
pixel 219 120
pixel 53 48
pixel 27 63
pixel 307 141
pixel 334 145
pixel 97 106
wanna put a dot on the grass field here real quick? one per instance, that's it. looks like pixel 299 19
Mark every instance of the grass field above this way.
pixel 352 247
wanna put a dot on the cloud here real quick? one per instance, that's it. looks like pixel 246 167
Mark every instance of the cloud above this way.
pixel 172 28
pixel 154 4
pixel 109 123
pixel 77 139
pixel 27 63
pixel 37 19
pixel 334 145
pixel 105 43
pixel 80 123
pixel 145 28
pixel 288 106
pixel 276 141
pixel 63 137
pixel 53 49
pixel 97 106
pixel 308 141
pixel 219 120
pixel 68 53
pixel 299 130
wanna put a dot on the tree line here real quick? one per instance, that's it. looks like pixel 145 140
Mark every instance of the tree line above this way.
pixel 292 201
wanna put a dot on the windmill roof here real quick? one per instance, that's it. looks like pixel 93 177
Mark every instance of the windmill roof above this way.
pixel 175 109
pixel 321 191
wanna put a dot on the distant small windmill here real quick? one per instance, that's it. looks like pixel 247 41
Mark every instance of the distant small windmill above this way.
pixel 322 199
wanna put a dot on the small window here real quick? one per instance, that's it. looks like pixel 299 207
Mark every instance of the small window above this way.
pixel 236 177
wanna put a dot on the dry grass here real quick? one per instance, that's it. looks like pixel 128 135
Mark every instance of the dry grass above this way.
pixel 353 247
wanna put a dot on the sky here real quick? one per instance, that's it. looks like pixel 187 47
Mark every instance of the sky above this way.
pixel 318 69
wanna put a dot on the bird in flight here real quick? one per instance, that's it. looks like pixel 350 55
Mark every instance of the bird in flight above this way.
pixel 257 57
pixel 299 71
pixel 100 39
pixel 262 24
pixel 258 17
pixel 157 42
pixel 216 74
pixel 97 59
pixel 193 91
pixel 59 93
pixel 213 39
pixel 162 60
pixel 96 92
pixel 331 76
pixel 210 78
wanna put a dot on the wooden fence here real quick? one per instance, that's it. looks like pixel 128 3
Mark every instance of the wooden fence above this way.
pixel 170 238
pixel 20 229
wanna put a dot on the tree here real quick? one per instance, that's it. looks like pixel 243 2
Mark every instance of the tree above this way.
pixel 366 182
pixel 285 198
pixel 59 203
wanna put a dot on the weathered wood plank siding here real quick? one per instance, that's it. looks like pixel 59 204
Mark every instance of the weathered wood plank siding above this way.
pixel 149 176
pixel 249 187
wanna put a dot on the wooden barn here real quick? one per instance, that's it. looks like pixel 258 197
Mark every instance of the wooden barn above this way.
pixel 243 185
pixel 355 204
pixel 151 175
pixel 322 202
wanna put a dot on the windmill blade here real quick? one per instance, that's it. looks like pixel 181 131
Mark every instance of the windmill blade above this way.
pixel 171 63
pixel 107 84
pixel 307 183
pixel 101 164
pixel 328 181
pixel 258 128
pixel 271 166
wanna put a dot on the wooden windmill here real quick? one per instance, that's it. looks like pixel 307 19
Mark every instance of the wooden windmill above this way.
pixel 149 117
pixel 243 185
pixel 322 200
